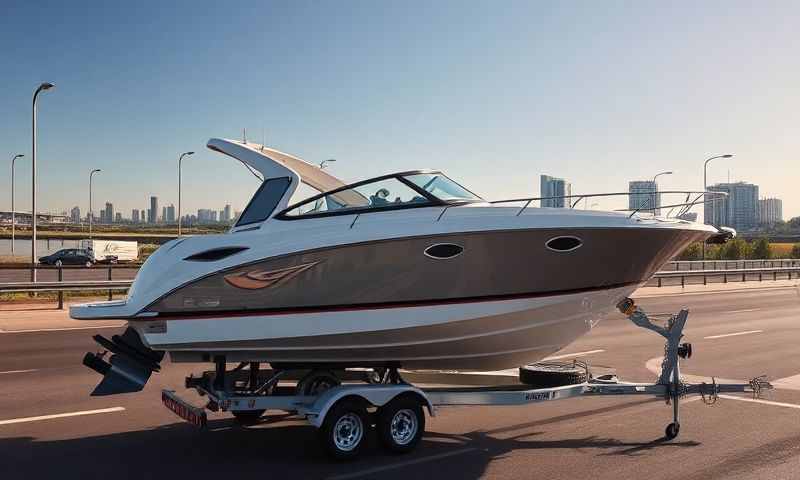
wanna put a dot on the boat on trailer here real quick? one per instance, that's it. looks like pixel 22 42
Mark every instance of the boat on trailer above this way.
pixel 409 270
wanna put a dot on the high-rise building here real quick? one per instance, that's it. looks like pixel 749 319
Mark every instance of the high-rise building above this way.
pixel 152 214
pixel 109 213
pixel 554 187
pixel 770 211
pixel 163 218
pixel 135 216
pixel 170 216
pixel 643 195
pixel 204 215
pixel 739 209
pixel 118 217
pixel 226 214
pixel 75 215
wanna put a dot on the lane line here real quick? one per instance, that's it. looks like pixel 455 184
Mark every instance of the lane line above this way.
pixel 416 461
pixel 19 371
pixel 65 329
pixel 61 415
pixel 789 383
pixel 744 310
pixel 577 354
pixel 735 334
pixel 758 400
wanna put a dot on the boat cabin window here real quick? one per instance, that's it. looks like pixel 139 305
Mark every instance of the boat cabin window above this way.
pixel 380 194
pixel 264 201
pixel 441 187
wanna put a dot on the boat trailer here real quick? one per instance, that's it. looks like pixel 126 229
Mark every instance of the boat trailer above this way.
pixel 343 412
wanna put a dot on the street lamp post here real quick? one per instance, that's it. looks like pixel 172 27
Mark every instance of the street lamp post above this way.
pixel 325 163
pixel 714 202
pixel 44 86
pixel 655 189
pixel 180 160
pixel 13 211
pixel 91 213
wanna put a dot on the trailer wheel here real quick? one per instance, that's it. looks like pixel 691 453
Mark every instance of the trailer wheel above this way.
pixel 553 374
pixel 344 430
pixel 247 417
pixel 401 424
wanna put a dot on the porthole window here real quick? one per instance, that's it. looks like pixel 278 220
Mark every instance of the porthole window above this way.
pixel 442 251
pixel 564 244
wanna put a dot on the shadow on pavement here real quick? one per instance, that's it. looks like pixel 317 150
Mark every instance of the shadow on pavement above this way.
pixel 282 445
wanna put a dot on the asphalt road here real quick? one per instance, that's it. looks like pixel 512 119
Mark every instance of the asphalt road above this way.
pixel 597 438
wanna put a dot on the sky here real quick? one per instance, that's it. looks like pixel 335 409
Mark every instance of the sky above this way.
pixel 493 93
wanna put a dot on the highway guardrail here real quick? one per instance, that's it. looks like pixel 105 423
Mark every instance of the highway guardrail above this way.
pixel 744 274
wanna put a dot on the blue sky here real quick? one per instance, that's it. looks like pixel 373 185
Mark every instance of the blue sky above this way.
pixel 494 93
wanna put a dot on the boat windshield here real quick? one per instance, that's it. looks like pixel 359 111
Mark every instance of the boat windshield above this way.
pixel 402 190
pixel 441 187
pixel 387 192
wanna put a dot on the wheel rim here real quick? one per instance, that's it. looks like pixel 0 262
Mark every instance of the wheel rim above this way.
pixel 347 432
pixel 404 426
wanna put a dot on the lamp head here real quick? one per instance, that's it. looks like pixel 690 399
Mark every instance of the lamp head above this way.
pixel 727 156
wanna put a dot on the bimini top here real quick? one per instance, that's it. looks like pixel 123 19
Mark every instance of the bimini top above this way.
pixel 283 173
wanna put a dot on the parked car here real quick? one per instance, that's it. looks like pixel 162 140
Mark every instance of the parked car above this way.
pixel 69 256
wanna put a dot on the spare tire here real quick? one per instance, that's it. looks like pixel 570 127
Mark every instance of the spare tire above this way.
pixel 553 374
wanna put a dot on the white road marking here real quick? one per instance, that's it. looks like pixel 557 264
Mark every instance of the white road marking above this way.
pixel 19 371
pixel 743 311
pixel 60 329
pixel 416 461
pixel 735 334
pixel 61 415
pixel 577 354
pixel 758 400
pixel 788 383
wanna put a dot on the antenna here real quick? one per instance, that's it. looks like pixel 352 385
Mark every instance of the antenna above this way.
pixel 244 135
pixel 263 138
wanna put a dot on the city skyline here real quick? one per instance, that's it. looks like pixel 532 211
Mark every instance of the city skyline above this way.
pixel 671 101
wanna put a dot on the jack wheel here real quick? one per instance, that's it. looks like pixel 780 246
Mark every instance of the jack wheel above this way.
pixel 672 430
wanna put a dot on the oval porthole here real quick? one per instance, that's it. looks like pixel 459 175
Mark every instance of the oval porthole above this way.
pixel 564 244
pixel 442 251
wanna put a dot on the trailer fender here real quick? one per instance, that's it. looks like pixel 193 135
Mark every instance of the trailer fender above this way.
pixel 375 395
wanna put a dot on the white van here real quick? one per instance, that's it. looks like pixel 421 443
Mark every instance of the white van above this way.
pixel 112 251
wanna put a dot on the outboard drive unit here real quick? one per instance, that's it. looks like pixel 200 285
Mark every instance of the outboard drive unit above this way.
pixel 129 367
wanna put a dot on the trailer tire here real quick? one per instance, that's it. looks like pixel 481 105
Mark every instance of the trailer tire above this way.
pixel 247 417
pixel 551 374
pixel 344 431
pixel 401 424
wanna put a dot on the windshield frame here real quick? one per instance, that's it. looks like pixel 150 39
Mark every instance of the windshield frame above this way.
pixel 433 200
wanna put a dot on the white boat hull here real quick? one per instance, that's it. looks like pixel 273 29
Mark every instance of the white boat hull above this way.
pixel 471 335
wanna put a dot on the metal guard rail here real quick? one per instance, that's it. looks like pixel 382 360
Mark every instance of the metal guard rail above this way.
pixel 61 286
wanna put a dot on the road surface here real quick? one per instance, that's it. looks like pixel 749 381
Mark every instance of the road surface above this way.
pixel 736 335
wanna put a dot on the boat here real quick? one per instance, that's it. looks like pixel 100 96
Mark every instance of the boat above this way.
pixel 407 270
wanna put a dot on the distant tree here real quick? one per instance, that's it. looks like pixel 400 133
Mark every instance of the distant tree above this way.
pixel 794 224
pixel 796 250
pixel 761 250
pixel 733 250
pixel 692 252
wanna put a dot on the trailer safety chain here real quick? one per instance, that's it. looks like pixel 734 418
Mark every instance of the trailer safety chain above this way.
pixel 759 384
pixel 709 398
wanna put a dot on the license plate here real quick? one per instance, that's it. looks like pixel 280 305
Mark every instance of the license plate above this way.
pixel 194 415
